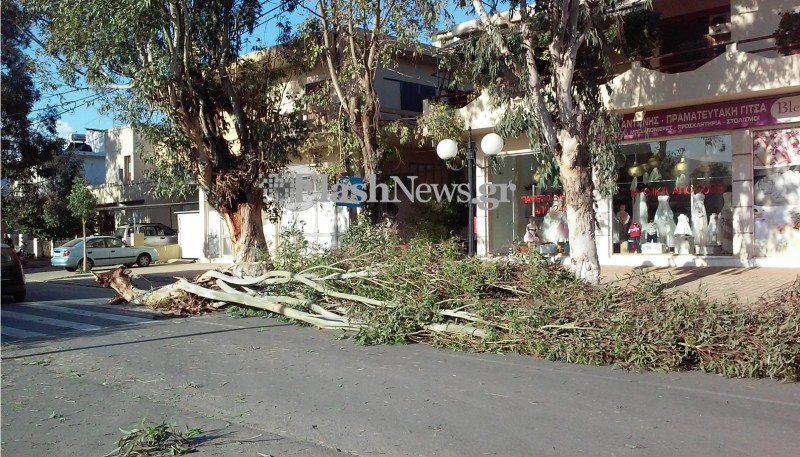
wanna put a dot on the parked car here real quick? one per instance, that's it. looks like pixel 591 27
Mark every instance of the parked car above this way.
pixel 154 234
pixel 12 278
pixel 101 251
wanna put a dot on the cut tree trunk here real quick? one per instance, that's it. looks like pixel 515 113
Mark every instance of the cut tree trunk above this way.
pixel 247 231
pixel 576 178
pixel 119 279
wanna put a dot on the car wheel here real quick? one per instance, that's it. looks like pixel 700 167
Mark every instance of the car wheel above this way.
pixel 71 269
pixel 143 260
pixel 89 265
pixel 20 296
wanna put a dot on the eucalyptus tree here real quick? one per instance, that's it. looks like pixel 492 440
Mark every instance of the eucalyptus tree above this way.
pixel 172 68
pixel 543 64
pixel 354 39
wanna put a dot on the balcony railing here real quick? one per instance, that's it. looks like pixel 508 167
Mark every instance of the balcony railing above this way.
pixel 691 59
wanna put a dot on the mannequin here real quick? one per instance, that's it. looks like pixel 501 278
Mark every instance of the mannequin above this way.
pixel 713 230
pixel 683 227
pixel 725 224
pixel 650 232
pixel 640 208
pixel 554 226
pixel 623 219
pixel 682 180
pixel 699 220
pixel 665 221
pixel 531 232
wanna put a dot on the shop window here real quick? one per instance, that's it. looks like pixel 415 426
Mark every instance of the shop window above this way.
pixel 675 198
pixel 535 197
pixel 776 192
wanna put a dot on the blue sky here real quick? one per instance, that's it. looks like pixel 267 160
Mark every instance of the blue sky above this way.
pixel 78 113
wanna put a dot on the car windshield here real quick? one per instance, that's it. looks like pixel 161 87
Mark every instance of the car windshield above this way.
pixel 120 233
pixel 71 243
pixel 6 255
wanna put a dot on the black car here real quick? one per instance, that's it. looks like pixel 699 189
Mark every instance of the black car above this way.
pixel 12 278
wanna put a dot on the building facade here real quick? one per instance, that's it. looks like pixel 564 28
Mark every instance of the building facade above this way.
pixel 711 145
pixel 124 197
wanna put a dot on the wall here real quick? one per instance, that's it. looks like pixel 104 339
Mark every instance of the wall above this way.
pixel 757 18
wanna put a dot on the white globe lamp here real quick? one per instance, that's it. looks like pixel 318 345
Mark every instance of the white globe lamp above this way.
pixel 492 144
pixel 447 149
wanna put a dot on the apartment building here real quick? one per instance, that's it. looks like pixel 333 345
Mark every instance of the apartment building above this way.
pixel 124 197
pixel 711 143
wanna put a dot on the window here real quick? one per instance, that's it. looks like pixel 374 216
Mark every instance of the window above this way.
pixel 112 243
pixel 412 95
pixel 164 231
pixel 95 244
pixel 675 197
pixel 127 169
pixel 776 192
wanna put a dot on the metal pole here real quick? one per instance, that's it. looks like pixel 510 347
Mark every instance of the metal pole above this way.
pixel 471 181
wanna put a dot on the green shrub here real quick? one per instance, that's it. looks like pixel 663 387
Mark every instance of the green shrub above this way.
pixel 530 306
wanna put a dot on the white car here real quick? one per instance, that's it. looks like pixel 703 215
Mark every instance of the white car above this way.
pixel 154 234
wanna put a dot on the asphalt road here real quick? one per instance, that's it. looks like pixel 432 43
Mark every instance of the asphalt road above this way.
pixel 306 392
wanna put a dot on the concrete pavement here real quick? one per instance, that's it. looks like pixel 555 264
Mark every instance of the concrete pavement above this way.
pixel 749 284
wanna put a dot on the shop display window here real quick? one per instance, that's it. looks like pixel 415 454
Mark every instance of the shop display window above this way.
pixel 675 197
pixel 776 192
pixel 536 217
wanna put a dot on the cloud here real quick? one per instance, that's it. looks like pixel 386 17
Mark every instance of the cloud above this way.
pixel 64 129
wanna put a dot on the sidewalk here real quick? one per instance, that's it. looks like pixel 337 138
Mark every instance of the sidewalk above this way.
pixel 165 271
pixel 749 284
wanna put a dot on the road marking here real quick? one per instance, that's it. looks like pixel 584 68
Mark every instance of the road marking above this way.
pixel 87 313
pixel 48 321
pixel 22 334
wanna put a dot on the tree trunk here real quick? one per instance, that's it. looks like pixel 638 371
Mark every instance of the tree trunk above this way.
pixel 247 230
pixel 576 177
pixel 83 224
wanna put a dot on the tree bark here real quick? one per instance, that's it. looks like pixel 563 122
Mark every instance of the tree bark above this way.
pixel 576 178
pixel 247 230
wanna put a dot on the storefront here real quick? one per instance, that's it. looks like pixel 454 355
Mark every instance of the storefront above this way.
pixel 718 183
pixel 715 184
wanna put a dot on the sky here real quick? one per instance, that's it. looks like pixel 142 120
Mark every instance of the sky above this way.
pixel 78 114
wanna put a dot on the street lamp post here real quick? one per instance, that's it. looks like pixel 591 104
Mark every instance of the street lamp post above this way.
pixel 447 150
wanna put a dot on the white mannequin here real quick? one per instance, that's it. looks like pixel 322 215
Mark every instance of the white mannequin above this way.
pixel 554 226
pixel 683 227
pixel 713 230
pixel 699 219
pixel 665 221
pixel 640 208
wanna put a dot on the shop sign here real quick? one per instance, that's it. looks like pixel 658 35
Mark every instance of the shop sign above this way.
pixel 707 118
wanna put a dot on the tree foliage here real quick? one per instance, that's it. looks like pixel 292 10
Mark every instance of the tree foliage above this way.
pixel 172 68
pixel 41 208
pixel 543 65
pixel 28 135
pixel 355 39
pixel 81 201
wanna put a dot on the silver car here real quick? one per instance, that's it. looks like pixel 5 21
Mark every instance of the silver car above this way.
pixel 154 234
pixel 101 251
